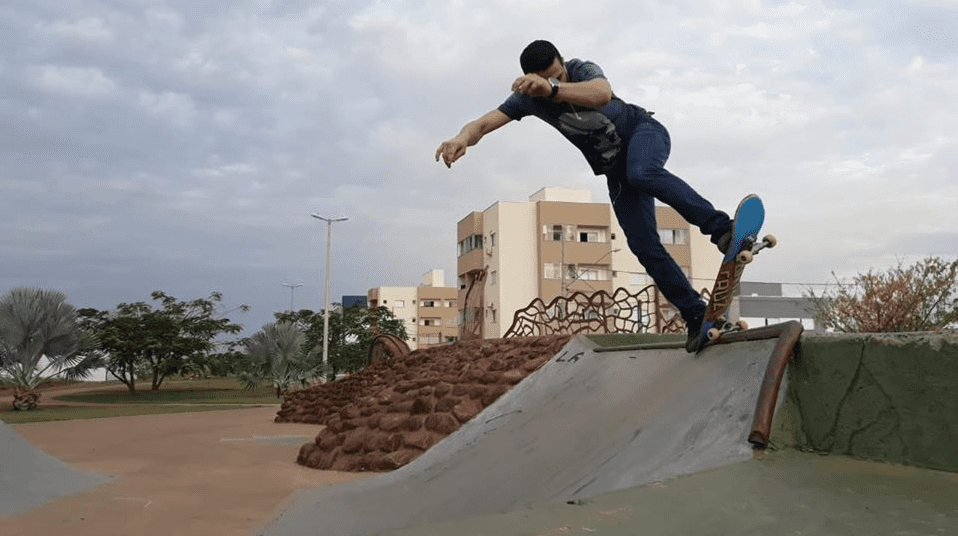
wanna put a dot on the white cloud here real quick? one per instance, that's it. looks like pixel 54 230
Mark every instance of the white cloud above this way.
pixel 837 113
pixel 90 29
pixel 177 108
pixel 73 81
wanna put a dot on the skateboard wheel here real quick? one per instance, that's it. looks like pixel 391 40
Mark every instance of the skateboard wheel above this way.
pixel 744 257
pixel 770 241
pixel 742 325
pixel 713 334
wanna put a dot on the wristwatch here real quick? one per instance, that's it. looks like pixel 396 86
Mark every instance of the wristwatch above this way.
pixel 555 88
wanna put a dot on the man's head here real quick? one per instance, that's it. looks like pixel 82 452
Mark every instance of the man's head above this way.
pixel 538 56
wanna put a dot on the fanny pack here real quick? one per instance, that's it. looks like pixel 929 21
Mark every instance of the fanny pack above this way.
pixel 595 135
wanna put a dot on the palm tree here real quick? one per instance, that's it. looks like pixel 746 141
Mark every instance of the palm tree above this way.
pixel 37 324
pixel 278 353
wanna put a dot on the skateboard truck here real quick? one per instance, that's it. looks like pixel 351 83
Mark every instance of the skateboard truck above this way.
pixel 747 255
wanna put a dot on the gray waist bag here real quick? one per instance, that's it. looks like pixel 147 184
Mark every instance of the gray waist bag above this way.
pixel 594 135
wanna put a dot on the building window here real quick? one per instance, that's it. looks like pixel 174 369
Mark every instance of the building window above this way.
pixel 593 273
pixel 470 243
pixel 451 304
pixel 554 271
pixel 555 232
pixel 492 239
pixel 592 234
pixel 399 304
pixel 674 236
pixel 428 303
pixel 492 279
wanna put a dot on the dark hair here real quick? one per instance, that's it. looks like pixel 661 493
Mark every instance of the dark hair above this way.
pixel 538 56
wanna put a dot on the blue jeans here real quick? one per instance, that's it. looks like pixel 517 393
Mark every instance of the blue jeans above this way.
pixel 640 179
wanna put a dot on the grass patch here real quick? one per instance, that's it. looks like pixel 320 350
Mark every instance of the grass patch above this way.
pixel 62 413
pixel 186 393
pixel 113 399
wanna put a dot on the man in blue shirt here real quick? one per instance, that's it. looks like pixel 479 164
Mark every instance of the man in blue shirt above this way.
pixel 619 140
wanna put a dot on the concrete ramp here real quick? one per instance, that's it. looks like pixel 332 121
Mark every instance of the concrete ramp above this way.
pixel 30 478
pixel 585 423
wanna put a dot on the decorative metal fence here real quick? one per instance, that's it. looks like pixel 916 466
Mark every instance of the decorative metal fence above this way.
pixel 621 312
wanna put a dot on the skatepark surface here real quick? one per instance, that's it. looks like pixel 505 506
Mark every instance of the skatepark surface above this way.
pixel 584 424
pixel 621 442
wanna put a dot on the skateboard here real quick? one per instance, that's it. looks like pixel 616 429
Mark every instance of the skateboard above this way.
pixel 749 217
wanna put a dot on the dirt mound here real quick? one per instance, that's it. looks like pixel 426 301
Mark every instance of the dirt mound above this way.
pixel 387 415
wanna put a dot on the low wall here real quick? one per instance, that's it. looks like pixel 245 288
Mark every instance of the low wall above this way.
pixel 884 397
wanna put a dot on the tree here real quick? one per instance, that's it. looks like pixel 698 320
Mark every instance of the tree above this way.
pixel 919 297
pixel 351 332
pixel 37 324
pixel 279 353
pixel 227 361
pixel 139 338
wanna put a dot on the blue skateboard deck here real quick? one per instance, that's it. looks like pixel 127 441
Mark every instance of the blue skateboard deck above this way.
pixel 748 220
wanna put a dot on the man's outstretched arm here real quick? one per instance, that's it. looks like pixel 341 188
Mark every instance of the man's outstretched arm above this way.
pixel 455 148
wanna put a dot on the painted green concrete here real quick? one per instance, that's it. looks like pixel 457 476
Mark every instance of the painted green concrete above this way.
pixel 883 397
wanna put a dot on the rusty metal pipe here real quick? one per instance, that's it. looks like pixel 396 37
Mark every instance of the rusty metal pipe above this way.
pixel 788 334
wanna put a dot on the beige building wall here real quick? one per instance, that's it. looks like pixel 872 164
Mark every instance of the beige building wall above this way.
pixel 430 311
pixel 437 322
pixel 706 260
pixel 512 272
pixel 401 301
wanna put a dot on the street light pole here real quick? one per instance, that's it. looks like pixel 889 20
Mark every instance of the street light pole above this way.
pixel 329 238
pixel 292 290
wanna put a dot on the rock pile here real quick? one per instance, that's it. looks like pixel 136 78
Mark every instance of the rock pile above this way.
pixel 387 415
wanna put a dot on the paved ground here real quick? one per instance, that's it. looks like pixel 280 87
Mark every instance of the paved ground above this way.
pixel 619 443
pixel 584 424
pixel 204 474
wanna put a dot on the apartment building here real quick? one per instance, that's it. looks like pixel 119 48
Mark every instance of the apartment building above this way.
pixel 557 243
pixel 429 310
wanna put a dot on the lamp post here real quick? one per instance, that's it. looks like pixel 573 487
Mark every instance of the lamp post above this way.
pixel 292 290
pixel 329 238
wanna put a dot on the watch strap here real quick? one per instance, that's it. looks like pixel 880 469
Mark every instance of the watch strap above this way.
pixel 555 88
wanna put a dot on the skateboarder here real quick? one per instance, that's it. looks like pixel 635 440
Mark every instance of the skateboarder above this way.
pixel 619 140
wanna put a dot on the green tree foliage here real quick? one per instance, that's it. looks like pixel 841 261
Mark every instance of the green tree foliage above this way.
pixel 37 324
pixel 141 340
pixel 279 353
pixel 229 360
pixel 351 333
pixel 918 297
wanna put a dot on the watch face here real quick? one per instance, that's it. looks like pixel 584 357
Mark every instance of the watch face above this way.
pixel 555 88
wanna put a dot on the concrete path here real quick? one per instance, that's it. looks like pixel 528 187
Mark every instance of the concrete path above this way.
pixel 585 424
pixel 30 478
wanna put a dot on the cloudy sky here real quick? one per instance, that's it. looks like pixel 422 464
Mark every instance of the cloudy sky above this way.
pixel 182 146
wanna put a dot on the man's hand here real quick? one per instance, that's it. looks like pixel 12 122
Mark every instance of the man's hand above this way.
pixel 532 85
pixel 452 150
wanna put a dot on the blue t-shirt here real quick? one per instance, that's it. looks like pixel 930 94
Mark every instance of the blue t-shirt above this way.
pixel 597 132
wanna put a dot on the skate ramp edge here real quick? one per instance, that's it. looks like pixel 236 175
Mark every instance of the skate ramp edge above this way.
pixel 584 424
pixel 30 478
